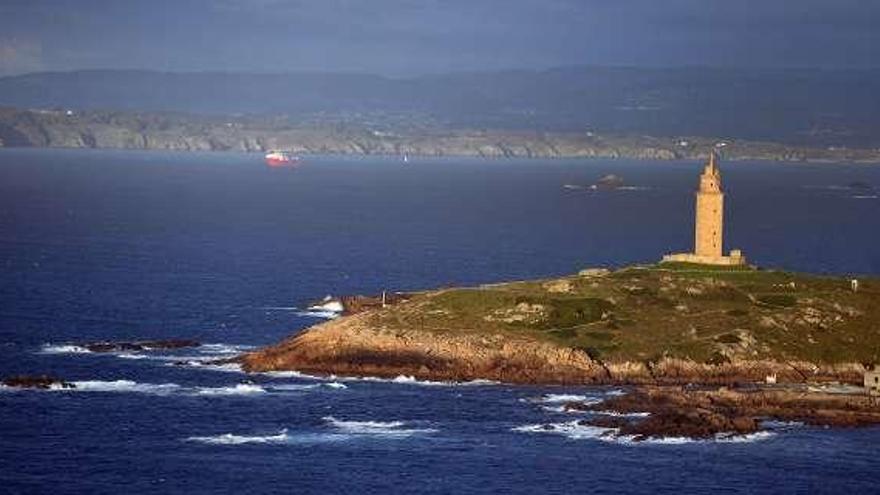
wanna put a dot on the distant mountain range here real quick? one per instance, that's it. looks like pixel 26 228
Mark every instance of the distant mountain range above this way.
pixel 800 107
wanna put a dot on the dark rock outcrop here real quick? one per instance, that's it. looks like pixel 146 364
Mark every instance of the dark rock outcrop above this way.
pixel 707 413
pixel 141 345
pixel 36 381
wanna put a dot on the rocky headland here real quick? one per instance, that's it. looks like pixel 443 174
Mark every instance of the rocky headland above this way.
pixel 704 351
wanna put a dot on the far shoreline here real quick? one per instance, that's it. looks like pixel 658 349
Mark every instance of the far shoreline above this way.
pixel 491 158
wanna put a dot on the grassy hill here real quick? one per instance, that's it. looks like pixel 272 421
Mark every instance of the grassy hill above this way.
pixel 689 311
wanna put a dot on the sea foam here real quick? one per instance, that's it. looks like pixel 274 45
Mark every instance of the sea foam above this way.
pixel 63 349
pixel 570 429
pixel 239 389
pixel 342 431
pixel 207 365
pixel 215 349
pixel 231 439
pixel 379 428
pixel 562 398
pixel 128 355
pixel 318 313
pixel 576 431
pixel 119 386
pixel 411 380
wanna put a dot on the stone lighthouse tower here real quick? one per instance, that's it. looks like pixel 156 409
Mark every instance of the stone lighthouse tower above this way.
pixel 709 231
pixel 710 212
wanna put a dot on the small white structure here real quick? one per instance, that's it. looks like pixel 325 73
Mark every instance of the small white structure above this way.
pixel 872 382
pixel 854 283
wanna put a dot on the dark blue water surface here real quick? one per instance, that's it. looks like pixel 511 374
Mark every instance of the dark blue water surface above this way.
pixel 215 247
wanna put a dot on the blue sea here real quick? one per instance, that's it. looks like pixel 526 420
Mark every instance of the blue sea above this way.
pixel 113 245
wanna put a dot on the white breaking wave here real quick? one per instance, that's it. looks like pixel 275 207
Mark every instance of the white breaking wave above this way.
pixel 203 365
pixel 319 313
pixel 479 382
pixel 308 386
pixel 295 386
pixel 570 429
pixel 401 379
pixel 239 389
pixel 345 430
pixel 291 374
pixel 411 380
pixel 119 386
pixel 64 349
pixel 380 428
pixel 748 438
pixel 131 356
pixel 576 431
pixel 562 409
pixel 206 352
pixel 623 415
pixel 560 398
pixel 230 439
pixel 719 438
pixel 224 348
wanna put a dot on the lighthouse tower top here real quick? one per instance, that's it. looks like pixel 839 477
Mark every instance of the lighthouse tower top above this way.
pixel 710 180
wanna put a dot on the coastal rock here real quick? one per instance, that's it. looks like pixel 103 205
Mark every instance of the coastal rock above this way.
pixel 707 413
pixel 594 272
pixel 36 381
pixel 142 345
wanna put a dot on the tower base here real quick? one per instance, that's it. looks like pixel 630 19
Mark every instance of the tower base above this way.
pixel 736 258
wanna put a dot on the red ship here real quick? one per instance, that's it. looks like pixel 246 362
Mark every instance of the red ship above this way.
pixel 276 158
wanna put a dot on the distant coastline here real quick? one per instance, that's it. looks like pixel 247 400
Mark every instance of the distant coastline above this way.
pixel 60 128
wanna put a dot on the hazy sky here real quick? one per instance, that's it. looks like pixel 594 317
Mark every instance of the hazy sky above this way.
pixel 402 37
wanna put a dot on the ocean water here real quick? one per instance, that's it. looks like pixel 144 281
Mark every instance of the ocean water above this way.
pixel 143 245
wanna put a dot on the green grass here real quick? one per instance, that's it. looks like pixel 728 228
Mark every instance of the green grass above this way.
pixel 566 313
pixel 644 312
pixel 777 300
